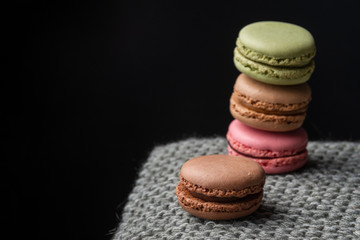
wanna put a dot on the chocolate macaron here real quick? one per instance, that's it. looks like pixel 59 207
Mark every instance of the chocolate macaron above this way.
pixel 269 107
pixel 220 187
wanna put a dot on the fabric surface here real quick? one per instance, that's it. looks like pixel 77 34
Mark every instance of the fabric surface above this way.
pixel 319 201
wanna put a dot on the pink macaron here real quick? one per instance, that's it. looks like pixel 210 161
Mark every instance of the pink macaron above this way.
pixel 276 152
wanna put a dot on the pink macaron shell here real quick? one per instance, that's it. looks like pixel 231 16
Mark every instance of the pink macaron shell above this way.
pixel 254 152
pixel 279 164
pixel 285 143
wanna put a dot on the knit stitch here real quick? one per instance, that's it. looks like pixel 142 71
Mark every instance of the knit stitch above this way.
pixel 319 201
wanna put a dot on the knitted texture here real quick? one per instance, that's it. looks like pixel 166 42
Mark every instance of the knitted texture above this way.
pixel 319 201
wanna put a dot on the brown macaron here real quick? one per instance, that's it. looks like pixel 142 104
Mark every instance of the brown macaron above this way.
pixel 269 107
pixel 220 187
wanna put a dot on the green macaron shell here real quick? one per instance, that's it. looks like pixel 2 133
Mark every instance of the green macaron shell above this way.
pixel 273 74
pixel 275 52
pixel 277 43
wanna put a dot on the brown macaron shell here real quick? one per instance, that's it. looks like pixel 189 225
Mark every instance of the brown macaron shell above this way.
pixel 269 107
pixel 220 187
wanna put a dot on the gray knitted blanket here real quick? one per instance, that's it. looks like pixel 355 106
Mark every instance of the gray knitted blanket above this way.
pixel 320 201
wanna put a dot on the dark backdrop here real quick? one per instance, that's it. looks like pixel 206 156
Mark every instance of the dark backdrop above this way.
pixel 88 89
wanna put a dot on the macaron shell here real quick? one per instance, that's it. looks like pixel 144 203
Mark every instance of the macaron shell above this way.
pixel 278 39
pixel 260 153
pixel 223 172
pixel 289 142
pixel 285 168
pixel 219 215
pixel 288 96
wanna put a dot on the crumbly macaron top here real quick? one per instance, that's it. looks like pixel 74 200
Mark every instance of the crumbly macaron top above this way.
pixel 223 172
pixel 276 43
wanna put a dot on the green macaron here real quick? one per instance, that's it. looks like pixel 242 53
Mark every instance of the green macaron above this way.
pixel 275 52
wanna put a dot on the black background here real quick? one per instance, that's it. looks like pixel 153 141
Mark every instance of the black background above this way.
pixel 89 88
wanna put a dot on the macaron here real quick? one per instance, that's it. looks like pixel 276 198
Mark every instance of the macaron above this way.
pixel 269 107
pixel 220 187
pixel 275 152
pixel 275 52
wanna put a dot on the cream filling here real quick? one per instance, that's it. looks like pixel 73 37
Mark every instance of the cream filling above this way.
pixel 270 108
pixel 272 71
pixel 297 61
pixel 189 200
pixel 281 119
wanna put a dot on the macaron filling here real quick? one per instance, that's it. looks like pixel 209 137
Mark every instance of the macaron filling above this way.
pixel 280 72
pixel 240 109
pixel 201 203
pixel 301 60
pixel 257 156
pixel 222 193
pixel 217 199
pixel 270 108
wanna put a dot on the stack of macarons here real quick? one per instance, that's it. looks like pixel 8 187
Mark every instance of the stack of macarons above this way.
pixel 269 104
pixel 271 96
